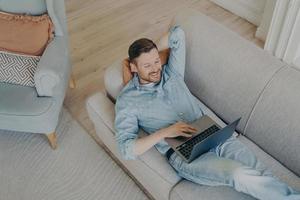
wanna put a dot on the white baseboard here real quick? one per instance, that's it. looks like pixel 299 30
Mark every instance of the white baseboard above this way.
pixel 249 10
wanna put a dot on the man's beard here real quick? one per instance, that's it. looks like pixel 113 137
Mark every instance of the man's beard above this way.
pixel 155 76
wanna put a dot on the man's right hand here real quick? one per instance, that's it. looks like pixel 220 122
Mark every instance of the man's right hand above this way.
pixel 175 130
pixel 178 129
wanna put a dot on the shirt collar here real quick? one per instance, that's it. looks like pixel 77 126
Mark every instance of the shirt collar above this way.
pixel 151 88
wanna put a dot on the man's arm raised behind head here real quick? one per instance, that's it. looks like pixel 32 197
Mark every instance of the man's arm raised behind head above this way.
pixel 177 45
pixel 175 40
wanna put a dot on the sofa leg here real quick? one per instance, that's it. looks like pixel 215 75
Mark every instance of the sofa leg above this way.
pixel 52 140
pixel 72 84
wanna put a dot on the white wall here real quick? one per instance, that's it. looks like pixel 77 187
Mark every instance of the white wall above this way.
pixel 262 29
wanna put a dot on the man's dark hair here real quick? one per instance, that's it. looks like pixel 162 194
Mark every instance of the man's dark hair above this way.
pixel 140 46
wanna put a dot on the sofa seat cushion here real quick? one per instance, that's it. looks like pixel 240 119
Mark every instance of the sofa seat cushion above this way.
pixel 277 168
pixel 22 110
pixel 188 190
pixel 22 101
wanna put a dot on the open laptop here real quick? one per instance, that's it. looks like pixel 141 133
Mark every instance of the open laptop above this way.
pixel 209 135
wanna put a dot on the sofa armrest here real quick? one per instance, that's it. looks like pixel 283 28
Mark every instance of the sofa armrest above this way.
pixel 53 68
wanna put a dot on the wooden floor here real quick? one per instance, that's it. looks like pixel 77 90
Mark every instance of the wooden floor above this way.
pixel 101 30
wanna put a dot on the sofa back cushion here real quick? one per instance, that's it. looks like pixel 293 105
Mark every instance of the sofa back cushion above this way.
pixel 274 123
pixel 226 72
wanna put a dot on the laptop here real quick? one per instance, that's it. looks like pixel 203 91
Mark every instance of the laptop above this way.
pixel 209 135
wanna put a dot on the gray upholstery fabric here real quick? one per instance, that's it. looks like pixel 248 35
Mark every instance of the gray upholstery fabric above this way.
pixel 222 68
pixel 53 70
pixel 30 7
pixel 52 12
pixel 21 100
pixel 187 190
pixel 20 109
pixel 277 169
pixel 113 80
pixel 274 124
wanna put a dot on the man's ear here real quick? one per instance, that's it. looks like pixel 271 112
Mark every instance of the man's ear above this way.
pixel 133 67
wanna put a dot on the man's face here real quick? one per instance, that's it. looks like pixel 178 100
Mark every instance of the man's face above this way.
pixel 148 67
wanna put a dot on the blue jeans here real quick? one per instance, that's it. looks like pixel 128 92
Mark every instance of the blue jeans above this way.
pixel 233 164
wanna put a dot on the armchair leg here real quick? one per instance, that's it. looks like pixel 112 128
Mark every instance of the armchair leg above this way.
pixel 52 140
pixel 72 84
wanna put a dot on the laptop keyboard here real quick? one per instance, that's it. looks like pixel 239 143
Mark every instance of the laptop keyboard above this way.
pixel 186 148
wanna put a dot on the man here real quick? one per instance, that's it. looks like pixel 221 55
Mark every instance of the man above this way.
pixel 158 101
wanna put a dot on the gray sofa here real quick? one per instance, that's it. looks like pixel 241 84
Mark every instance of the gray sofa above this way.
pixel 231 77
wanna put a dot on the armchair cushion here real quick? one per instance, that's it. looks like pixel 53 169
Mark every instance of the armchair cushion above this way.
pixel 22 110
pixel 16 100
pixel 17 69
pixel 25 34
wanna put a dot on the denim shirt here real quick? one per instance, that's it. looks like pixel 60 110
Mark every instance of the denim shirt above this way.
pixel 155 106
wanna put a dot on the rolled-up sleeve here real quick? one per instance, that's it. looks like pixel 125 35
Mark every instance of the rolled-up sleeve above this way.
pixel 126 124
pixel 176 43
